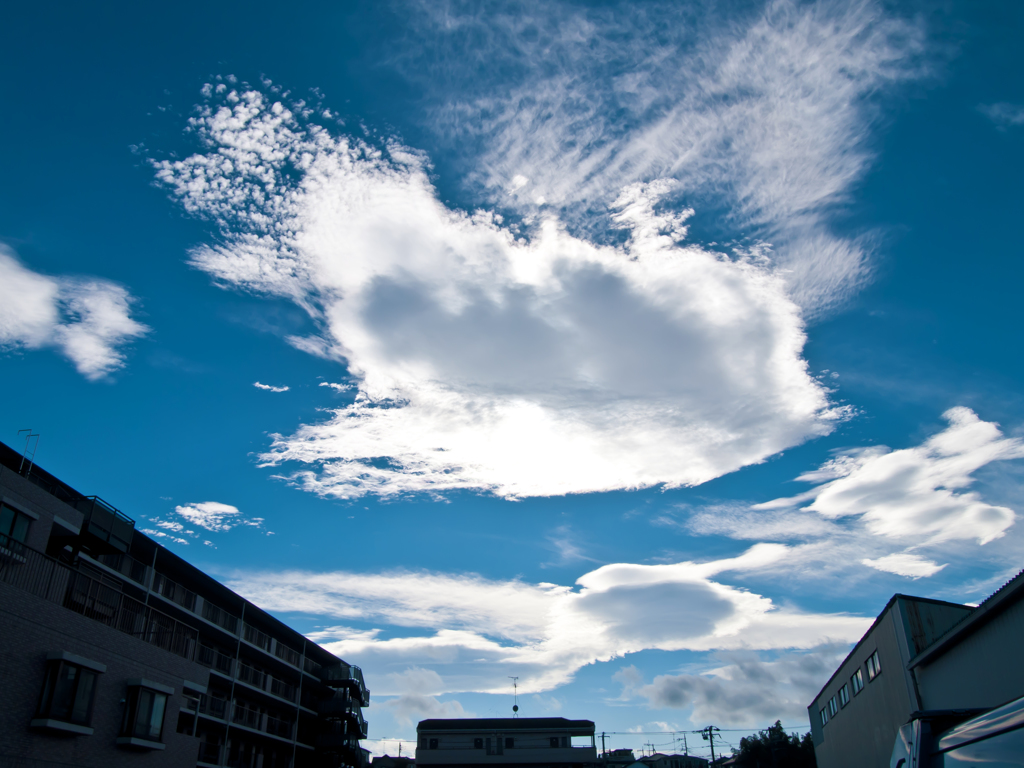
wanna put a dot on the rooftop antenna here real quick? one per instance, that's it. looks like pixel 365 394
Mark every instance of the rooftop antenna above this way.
pixel 29 435
pixel 515 695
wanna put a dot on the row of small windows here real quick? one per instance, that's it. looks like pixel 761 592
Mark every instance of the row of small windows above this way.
pixel 842 698
pixel 554 742
pixel 69 691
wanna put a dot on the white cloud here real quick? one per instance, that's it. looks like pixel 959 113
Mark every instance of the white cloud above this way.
pixel 905 564
pixel 523 363
pixel 214 516
pixel 270 388
pixel 768 111
pixel 87 319
pixel 479 630
pixel 1004 115
pixel 747 690
pixel 915 494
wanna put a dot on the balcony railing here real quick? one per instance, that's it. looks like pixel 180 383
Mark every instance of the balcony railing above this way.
pixel 256 637
pixel 174 592
pixel 46 578
pixel 286 654
pixel 220 617
pixel 214 659
pixel 124 564
pixel 340 674
pixel 312 667
pixel 209 753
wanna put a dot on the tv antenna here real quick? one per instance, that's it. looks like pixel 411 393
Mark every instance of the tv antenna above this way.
pixel 515 695
pixel 29 435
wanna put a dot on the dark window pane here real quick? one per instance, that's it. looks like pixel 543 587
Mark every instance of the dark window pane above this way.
pixel 64 692
pixel 83 696
pixel 6 520
pixel 20 531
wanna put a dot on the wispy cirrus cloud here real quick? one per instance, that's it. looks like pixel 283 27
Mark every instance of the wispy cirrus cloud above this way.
pixel 1003 114
pixel 87 319
pixel 470 632
pixel 519 361
pixel 765 112
pixel 270 387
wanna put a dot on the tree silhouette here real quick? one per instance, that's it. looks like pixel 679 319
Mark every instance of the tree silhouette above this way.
pixel 774 748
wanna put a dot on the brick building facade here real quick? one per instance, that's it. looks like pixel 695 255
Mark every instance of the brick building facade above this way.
pixel 114 651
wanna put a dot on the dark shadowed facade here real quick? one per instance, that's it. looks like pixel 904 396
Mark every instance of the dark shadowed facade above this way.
pixel 920 659
pixel 116 652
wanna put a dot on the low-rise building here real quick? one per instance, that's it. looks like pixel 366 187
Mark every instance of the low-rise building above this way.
pixel 115 651
pixel 919 657
pixel 523 742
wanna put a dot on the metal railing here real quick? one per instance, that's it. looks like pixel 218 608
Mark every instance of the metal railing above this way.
pixel 51 580
pixel 220 617
pixel 256 637
pixel 287 655
pixel 126 565
pixel 174 592
pixel 312 667
pixel 214 659
pixel 209 753
pixel 11 547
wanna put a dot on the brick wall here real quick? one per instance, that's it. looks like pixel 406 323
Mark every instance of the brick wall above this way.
pixel 29 629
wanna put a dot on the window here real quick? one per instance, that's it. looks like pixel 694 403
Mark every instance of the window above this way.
pixel 13 528
pixel 874 667
pixel 509 742
pixel 144 708
pixel 824 715
pixel 433 744
pixel 554 742
pixel 68 692
pixel 478 743
pixel 833 707
pixel 857 681
pixel 844 695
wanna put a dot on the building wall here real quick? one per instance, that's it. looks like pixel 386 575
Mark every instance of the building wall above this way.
pixel 984 669
pixel 861 735
pixel 29 629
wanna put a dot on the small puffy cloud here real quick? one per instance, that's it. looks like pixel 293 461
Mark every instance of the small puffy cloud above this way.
pixel 338 387
pixel 1004 115
pixel 467 633
pixel 164 535
pixel 905 564
pixel 214 516
pixel 270 388
pixel 416 701
pixel 747 690
pixel 521 362
pixel 915 493
pixel 87 319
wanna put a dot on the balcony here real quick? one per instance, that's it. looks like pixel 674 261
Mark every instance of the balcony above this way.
pixel 257 678
pixel 214 659
pixel 258 721
pixel 174 592
pixel 209 753
pixel 51 580
pixel 125 565
pixel 105 527
pixel 220 617
pixel 347 675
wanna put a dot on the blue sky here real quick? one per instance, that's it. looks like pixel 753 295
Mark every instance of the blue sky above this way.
pixel 639 351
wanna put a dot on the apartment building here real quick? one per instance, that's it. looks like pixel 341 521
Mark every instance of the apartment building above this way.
pixel 115 651
pixel 513 742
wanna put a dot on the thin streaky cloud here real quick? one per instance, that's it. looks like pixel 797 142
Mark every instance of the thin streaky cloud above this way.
pixel 270 388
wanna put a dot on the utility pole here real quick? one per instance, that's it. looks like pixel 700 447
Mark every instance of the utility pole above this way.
pixel 708 734
pixel 686 749
pixel 604 752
